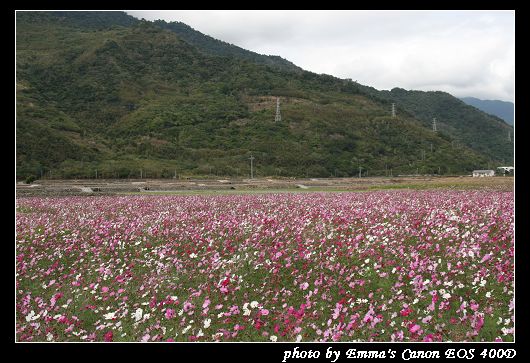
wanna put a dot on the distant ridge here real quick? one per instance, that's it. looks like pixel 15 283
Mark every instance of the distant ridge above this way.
pixel 501 109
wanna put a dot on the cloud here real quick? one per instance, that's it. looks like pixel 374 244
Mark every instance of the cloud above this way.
pixel 465 53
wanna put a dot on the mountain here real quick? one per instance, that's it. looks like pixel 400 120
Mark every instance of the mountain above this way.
pixel 462 123
pixel 104 92
pixel 501 109
pixel 212 46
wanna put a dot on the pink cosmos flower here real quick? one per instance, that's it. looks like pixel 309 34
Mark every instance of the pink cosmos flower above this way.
pixel 485 258
pixel 188 306
pixel 170 313
pixel 405 312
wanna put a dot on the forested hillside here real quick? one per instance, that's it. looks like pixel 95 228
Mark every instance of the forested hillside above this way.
pixel 109 93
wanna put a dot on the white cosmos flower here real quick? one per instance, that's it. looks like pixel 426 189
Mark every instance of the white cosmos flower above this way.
pixel 109 316
pixel 274 338
pixel 137 315
pixel 207 323
pixel 254 304
pixel 29 317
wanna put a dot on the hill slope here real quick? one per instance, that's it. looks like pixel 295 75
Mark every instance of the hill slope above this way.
pixel 125 99
pixel 501 109
pixel 212 46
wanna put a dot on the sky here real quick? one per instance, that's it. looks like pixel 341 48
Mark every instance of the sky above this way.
pixel 465 53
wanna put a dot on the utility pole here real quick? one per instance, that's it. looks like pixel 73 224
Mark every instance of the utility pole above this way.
pixel 141 174
pixel 431 146
pixel 434 129
pixel 278 116
pixel 96 173
pixel 393 110
pixel 251 166
pixel 509 136
pixel 360 168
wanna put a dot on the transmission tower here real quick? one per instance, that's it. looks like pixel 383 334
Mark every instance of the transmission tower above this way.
pixel 251 166
pixel 393 110
pixel 434 125
pixel 278 117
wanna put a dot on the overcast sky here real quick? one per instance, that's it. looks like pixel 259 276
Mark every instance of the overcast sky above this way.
pixel 465 53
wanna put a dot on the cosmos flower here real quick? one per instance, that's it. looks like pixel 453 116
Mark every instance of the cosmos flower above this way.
pixel 322 267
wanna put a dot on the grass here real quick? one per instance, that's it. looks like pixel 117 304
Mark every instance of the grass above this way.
pixel 460 184
pixel 235 192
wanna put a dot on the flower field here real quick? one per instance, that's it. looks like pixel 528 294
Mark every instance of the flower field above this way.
pixel 375 266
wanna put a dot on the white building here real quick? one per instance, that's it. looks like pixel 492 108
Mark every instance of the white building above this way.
pixel 482 173
pixel 506 169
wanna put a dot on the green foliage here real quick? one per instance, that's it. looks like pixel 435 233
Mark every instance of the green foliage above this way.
pixel 30 179
pixel 211 46
pixel 97 93
pixel 464 124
